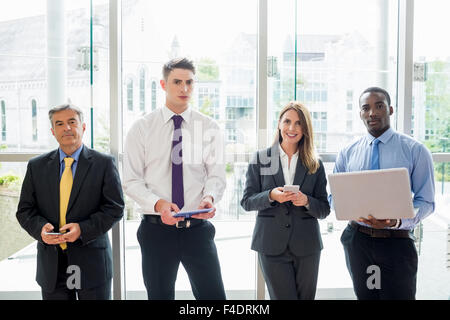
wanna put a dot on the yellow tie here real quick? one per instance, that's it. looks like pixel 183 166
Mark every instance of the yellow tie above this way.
pixel 65 187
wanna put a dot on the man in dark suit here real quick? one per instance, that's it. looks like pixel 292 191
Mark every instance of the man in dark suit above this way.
pixel 70 198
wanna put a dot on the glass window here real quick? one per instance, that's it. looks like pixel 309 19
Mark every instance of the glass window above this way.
pixel 325 60
pixel 431 125
pixel 130 94
pixel 18 248
pixel 142 90
pixel 45 54
pixel 153 95
pixel 48 58
pixel 431 97
pixel 3 114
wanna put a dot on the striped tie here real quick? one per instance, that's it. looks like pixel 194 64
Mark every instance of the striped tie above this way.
pixel 65 187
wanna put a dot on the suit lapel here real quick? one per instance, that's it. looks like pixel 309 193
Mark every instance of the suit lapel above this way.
pixel 84 163
pixel 53 175
pixel 275 156
pixel 300 173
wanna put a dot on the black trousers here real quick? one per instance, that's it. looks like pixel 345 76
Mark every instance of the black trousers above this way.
pixel 381 268
pixel 163 247
pixel 62 292
pixel 290 277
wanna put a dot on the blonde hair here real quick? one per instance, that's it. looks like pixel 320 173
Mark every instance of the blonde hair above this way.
pixel 306 149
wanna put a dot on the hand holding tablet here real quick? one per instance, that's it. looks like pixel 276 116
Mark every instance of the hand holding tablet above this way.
pixel 188 214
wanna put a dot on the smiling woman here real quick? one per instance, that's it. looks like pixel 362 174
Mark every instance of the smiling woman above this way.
pixel 287 236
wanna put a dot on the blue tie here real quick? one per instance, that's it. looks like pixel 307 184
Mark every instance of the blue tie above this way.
pixel 375 159
pixel 177 163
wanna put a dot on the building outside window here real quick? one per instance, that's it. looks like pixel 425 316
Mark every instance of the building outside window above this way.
pixel 153 95
pixel 34 124
pixel 3 114
pixel 130 93
pixel 142 90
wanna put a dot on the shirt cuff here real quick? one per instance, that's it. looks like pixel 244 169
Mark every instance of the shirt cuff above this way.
pixel 270 200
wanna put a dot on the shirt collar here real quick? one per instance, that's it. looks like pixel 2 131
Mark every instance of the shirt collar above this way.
pixel 383 138
pixel 75 155
pixel 168 114
pixel 283 154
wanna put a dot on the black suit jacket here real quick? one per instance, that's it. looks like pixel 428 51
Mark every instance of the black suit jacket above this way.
pixel 279 225
pixel 96 204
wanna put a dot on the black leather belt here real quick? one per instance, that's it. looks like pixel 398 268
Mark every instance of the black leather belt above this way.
pixel 381 233
pixel 187 223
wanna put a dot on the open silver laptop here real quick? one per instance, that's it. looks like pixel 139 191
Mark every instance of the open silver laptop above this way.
pixel 384 194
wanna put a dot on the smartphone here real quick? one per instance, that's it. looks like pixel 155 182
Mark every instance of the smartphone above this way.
pixel 53 233
pixel 291 188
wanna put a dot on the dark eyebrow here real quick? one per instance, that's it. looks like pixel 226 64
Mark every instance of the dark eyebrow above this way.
pixel 188 80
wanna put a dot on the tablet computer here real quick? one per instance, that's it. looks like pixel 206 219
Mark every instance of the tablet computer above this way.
pixel 188 214
pixel 384 194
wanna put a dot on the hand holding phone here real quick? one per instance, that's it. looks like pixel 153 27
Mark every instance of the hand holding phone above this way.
pixel 279 194
pixel 53 233
pixel 49 236
pixel 291 188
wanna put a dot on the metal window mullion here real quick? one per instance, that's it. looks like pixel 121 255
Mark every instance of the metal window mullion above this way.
pixel 405 65
pixel 261 111
pixel 115 95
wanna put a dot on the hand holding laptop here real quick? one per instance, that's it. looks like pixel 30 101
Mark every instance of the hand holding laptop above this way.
pixel 378 223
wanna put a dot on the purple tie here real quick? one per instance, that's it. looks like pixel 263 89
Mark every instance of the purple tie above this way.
pixel 177 163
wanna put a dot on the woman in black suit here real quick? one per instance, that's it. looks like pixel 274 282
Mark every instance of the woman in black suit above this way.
pixel 287 235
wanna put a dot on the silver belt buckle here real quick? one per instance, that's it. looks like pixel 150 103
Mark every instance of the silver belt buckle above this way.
pixel 188 224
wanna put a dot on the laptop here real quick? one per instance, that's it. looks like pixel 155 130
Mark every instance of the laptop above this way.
pixel 384 194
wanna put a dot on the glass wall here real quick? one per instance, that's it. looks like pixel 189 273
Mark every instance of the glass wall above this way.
pixel 322 53
pixel 45 60
pixel 431 125
pixel 325 60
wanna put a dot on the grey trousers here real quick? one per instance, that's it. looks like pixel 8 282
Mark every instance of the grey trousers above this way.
pixel 290 277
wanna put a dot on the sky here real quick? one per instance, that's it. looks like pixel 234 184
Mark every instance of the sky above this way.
pixel 208 25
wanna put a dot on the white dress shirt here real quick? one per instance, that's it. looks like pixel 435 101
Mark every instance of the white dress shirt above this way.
pixel 288 169
pixel 147 165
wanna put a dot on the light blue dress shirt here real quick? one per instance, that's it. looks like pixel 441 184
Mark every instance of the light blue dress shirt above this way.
pixel 396 150
pixel 75 156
